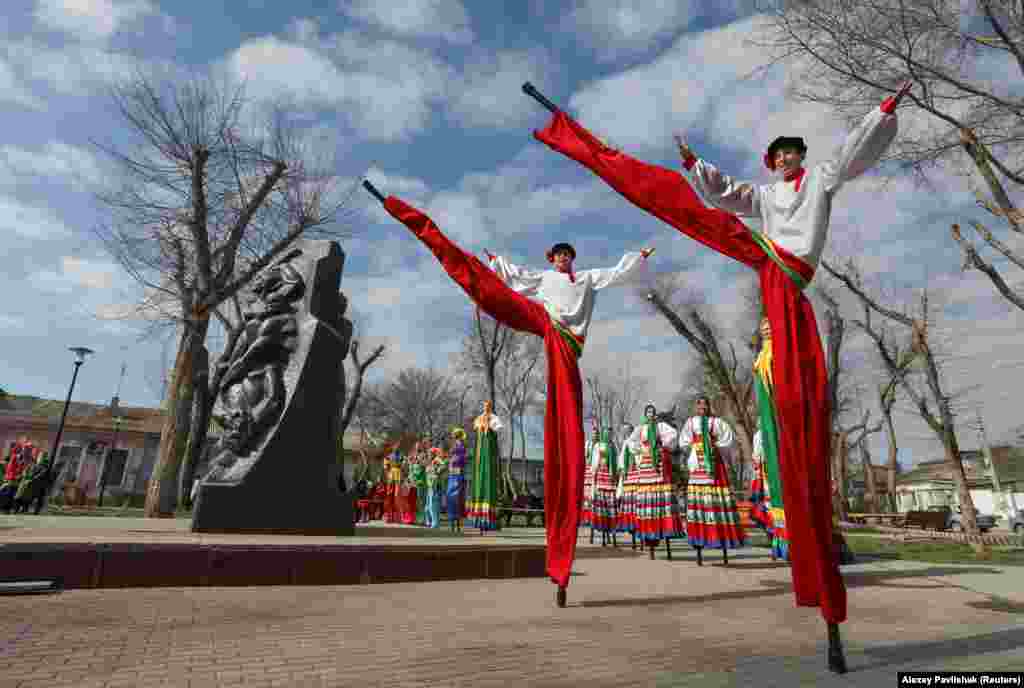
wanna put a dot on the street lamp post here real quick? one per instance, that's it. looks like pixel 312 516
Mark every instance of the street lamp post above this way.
pixel 106 463
pixel 80 353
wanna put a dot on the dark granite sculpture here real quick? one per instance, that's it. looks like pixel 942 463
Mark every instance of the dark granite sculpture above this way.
pixel 275 468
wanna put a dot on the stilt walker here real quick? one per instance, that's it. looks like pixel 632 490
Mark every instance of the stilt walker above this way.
pixel 794 214
pixel 435 475
pixel 561 316
pixel 418 475
pixel 456 495
pixel 604 477
pixel 393 479
pixel 586 509
pixel 644 488
pixel 712 520
pixel 626 522
pixel 482 509
pixel 768 441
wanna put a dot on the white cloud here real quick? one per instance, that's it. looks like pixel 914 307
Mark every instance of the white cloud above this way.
pixel 73 69
pixel 93 20
pixel 490 93
pixel 76 273
pixel 383 89
pixel 616 29
pixel 443 19
pixel 30 221
pixel 72 164
pixel 13 91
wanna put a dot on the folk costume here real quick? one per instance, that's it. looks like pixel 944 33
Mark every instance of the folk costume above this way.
pixel 712 519
pixel 393 483
pixel 435 474
pixel 768 435
pixel 626 519
pixel 795 215
pixel 655 511
pixel 604 479
pixel 418 474
pixel 587 507
pixel 760 501
pixel 561 315
pixel 482 510
pixel 456 494
pixel 407 494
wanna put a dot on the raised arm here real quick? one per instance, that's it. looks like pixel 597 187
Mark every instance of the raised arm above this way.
pixel 667 434
pixel 496 423
pixel 864 146
pixel 521 280
pixel 628 268
pixel 720 190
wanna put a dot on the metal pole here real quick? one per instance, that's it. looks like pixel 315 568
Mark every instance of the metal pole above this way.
pixel 63 417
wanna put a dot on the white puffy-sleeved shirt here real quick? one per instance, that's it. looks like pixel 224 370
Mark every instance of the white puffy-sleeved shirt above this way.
pixel 795 213
pixel 690 437
pixel 569 301
pixel 647 467
pixel 493 423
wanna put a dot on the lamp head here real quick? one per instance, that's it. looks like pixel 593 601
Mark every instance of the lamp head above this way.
pixel 80 353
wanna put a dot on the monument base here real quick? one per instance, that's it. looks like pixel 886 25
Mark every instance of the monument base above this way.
pixel 276 508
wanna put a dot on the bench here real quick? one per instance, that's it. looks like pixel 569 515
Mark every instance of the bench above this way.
pixel 521 506
pixel 936 520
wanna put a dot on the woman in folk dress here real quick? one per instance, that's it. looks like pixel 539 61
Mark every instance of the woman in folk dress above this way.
pixel 712 519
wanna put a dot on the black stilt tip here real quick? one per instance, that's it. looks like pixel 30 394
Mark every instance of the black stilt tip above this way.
pixel 836 659
pixel 531 91
pixel 668 548
pixel 653 545
pixel 373 190
pixel 560 597
pixel 725 557
pixel 700 558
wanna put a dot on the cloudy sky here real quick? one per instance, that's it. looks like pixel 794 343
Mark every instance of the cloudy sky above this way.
pixel 424 96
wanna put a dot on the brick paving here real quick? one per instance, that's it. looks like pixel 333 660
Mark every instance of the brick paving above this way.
pixel 630 622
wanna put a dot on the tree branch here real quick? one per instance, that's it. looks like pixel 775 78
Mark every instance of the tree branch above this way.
pixel 973 259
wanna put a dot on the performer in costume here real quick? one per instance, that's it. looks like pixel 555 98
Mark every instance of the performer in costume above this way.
pixel 393 482
pixel 604 479
pixel 435 473
pixel 419 481
pixel 712 520
pixel 456 495
pixel 794 214
pixel 656 512
pixel 768 429
pixel 407 500
pixel 482 510
pixel 561 315
pixel 626 521
pixel 586 510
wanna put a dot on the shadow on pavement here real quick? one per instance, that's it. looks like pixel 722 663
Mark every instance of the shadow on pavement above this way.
pixel 769 588
pixel 998 641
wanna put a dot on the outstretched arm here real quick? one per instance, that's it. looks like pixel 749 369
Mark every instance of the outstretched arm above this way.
pixel 521 280
pixel 865 145
pixel 627 269
pixel 720 190
pixel 725 434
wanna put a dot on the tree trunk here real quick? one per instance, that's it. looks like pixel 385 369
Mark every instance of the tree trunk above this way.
pixel 968 514
pixel 869 478
pixel 893 465
pixel 200 422
pixel 161 497
pixel 841 451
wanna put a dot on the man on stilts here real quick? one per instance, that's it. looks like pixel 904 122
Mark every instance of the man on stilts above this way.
pixel 795 214
pixel 561 315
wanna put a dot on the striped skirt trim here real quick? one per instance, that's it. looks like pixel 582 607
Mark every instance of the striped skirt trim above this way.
pixel 482 515
pixel 780 539
pixel 712 519
pixel 605 511
pixel 653 512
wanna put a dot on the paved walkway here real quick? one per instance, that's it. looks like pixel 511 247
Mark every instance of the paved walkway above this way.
pixel 630 622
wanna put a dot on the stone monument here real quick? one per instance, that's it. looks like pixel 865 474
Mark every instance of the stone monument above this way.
pixel 275 468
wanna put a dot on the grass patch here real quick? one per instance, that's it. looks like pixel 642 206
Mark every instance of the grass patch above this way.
pixel 934 552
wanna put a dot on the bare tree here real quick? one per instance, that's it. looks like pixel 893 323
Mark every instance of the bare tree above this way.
pixel 519 379
pixel 886 399
pixel 847 53
pixel 932 402
pixel 483 347
pixel 861 442
pixel 417 401
pixel 729 373
pixel 200 209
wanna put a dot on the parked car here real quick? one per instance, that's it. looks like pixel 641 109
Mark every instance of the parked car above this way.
pixel 1017 523
pixel 986 522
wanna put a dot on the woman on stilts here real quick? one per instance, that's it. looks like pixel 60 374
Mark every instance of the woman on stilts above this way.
pixel 766 442
pixel 586 509
pixel 644 487
pixel 712 520
pixel 482 510
pixel 561 315
pixel 456 495
pixel 794 213
pixel 393 506
pixel 604 480
pixel 626 521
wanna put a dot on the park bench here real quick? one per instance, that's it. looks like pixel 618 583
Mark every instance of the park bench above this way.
pixel 936 520
pixel 522 505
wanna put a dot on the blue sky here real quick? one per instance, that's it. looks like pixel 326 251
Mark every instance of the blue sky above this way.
pixel 424 94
